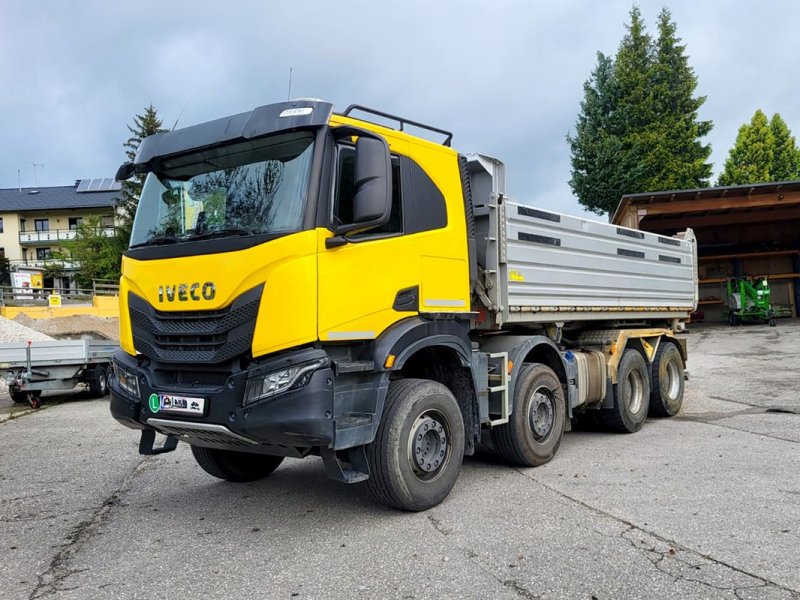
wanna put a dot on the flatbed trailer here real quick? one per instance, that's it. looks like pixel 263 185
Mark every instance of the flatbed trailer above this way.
pixel 58 365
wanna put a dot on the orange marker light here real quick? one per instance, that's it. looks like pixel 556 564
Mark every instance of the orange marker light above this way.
pixel 389 361
pixel 510 366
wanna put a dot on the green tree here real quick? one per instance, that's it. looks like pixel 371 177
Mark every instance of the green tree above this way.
pixel 144 125
pixel 750 159
pixel 99 256
pixel 785 156
pixel 638 129
pixel 676 157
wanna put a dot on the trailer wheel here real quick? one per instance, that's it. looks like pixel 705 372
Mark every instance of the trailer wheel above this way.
pixel 417 453
pixel 98 387
pixel 231 465
pixel 21 397
pixel 536 425
pixel 631 397
pixel 666 393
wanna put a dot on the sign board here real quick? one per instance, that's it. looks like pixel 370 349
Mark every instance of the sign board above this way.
pixel 54 300
pixel 21 282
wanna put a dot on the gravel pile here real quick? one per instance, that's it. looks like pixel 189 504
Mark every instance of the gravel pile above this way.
pixel 14 332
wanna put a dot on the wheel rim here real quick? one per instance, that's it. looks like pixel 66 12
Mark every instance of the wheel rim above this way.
pixel 541 413
pixel 673 380
pixel 428 445
pixel 102 382
pixel 634 391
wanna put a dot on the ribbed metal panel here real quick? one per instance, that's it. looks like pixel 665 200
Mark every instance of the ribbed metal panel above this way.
pixel 563 264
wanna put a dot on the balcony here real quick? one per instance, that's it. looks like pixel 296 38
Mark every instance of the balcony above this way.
pixel 22 264
pixel 53 236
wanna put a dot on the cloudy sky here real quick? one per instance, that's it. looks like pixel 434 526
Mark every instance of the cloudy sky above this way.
pixel 506 76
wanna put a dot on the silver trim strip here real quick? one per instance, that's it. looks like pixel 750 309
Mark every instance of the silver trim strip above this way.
pixel 444 302
pixel 210 427
pixel 351 335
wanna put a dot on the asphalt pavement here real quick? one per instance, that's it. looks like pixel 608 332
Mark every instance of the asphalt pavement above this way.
pixel 704 505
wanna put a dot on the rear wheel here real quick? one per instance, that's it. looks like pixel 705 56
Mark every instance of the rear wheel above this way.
pixel 235 466
pixel 417 453
pixel 666 393
pixel 631 397
pixel 533 433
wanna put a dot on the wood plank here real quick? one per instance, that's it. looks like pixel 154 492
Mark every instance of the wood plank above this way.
pixel 680 223
pixel 749 255
pixel 727 203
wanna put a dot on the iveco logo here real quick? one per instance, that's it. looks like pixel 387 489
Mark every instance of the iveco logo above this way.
pixel 186 291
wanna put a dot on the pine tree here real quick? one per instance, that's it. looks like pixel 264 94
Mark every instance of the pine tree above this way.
pixel 750 159
pixel 785 155
pixel 677 158
pixel 595 147
pixel 144 125
pixel 638 129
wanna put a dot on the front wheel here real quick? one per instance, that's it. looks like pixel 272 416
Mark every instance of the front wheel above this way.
pixel 536 425
pixel 231 465
pixel 417 453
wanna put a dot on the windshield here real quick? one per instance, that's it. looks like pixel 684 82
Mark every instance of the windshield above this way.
pixel 255 187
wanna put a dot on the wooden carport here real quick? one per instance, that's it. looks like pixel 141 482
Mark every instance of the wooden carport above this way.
pixel 749 230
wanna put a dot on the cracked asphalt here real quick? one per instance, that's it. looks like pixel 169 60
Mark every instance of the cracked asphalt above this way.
pixel 704 505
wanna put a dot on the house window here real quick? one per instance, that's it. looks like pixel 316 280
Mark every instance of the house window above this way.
pixel 42 224
pixel 2 253
pixel 1 224
pixel 43 253
pixel 74 222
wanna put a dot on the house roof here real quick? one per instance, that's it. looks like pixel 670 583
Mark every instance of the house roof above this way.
pixel 84 194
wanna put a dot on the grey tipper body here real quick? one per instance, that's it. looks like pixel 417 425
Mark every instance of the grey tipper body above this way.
pixel 539 266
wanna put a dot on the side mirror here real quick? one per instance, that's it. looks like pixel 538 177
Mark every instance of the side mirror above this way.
pixel 372 203
pixel 125 171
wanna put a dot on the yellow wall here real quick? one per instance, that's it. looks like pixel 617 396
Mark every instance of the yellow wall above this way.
pixel 102 306
pixel 9 239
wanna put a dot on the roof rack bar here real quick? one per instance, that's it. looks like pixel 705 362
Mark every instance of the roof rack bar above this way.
pixel 402 121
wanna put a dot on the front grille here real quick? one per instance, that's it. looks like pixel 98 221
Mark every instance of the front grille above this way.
pixel 200 336
pixel 213 379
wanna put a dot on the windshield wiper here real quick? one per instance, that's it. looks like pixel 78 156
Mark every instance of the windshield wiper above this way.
pixel 228 231
pixel 158 240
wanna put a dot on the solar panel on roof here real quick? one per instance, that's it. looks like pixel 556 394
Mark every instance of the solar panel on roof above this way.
pixel 101 184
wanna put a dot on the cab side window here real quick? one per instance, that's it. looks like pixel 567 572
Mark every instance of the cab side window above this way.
pixel 345 190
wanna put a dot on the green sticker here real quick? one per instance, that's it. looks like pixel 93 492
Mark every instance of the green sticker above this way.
pixel 154 403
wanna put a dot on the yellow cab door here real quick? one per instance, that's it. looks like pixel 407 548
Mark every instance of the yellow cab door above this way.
pixel 417 262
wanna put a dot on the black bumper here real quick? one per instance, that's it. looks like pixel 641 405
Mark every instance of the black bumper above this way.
pixel 299 418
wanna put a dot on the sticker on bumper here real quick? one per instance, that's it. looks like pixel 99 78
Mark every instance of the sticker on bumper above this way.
pixel 176 404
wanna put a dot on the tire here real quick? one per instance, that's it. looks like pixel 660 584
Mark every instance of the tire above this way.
pixel 98 387
pixel 667 374
pixel 631 395
pixel 538 418
pixel 417 453
pixel 231 465
pixel 21 397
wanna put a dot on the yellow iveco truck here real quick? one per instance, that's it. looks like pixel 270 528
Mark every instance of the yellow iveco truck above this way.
pixel 304 282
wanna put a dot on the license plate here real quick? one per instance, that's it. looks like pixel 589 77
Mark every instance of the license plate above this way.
pixel 170 403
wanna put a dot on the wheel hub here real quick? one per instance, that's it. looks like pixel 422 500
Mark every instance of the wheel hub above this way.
pixel 541 413
pixel 428 447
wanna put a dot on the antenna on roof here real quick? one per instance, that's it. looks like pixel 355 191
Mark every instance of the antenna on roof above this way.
pixel 19 180
pixel 289 93
pixel 35 183
pixel 180 114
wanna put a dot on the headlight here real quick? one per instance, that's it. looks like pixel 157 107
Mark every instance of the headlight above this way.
pixel 126 379
pixel 282 380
